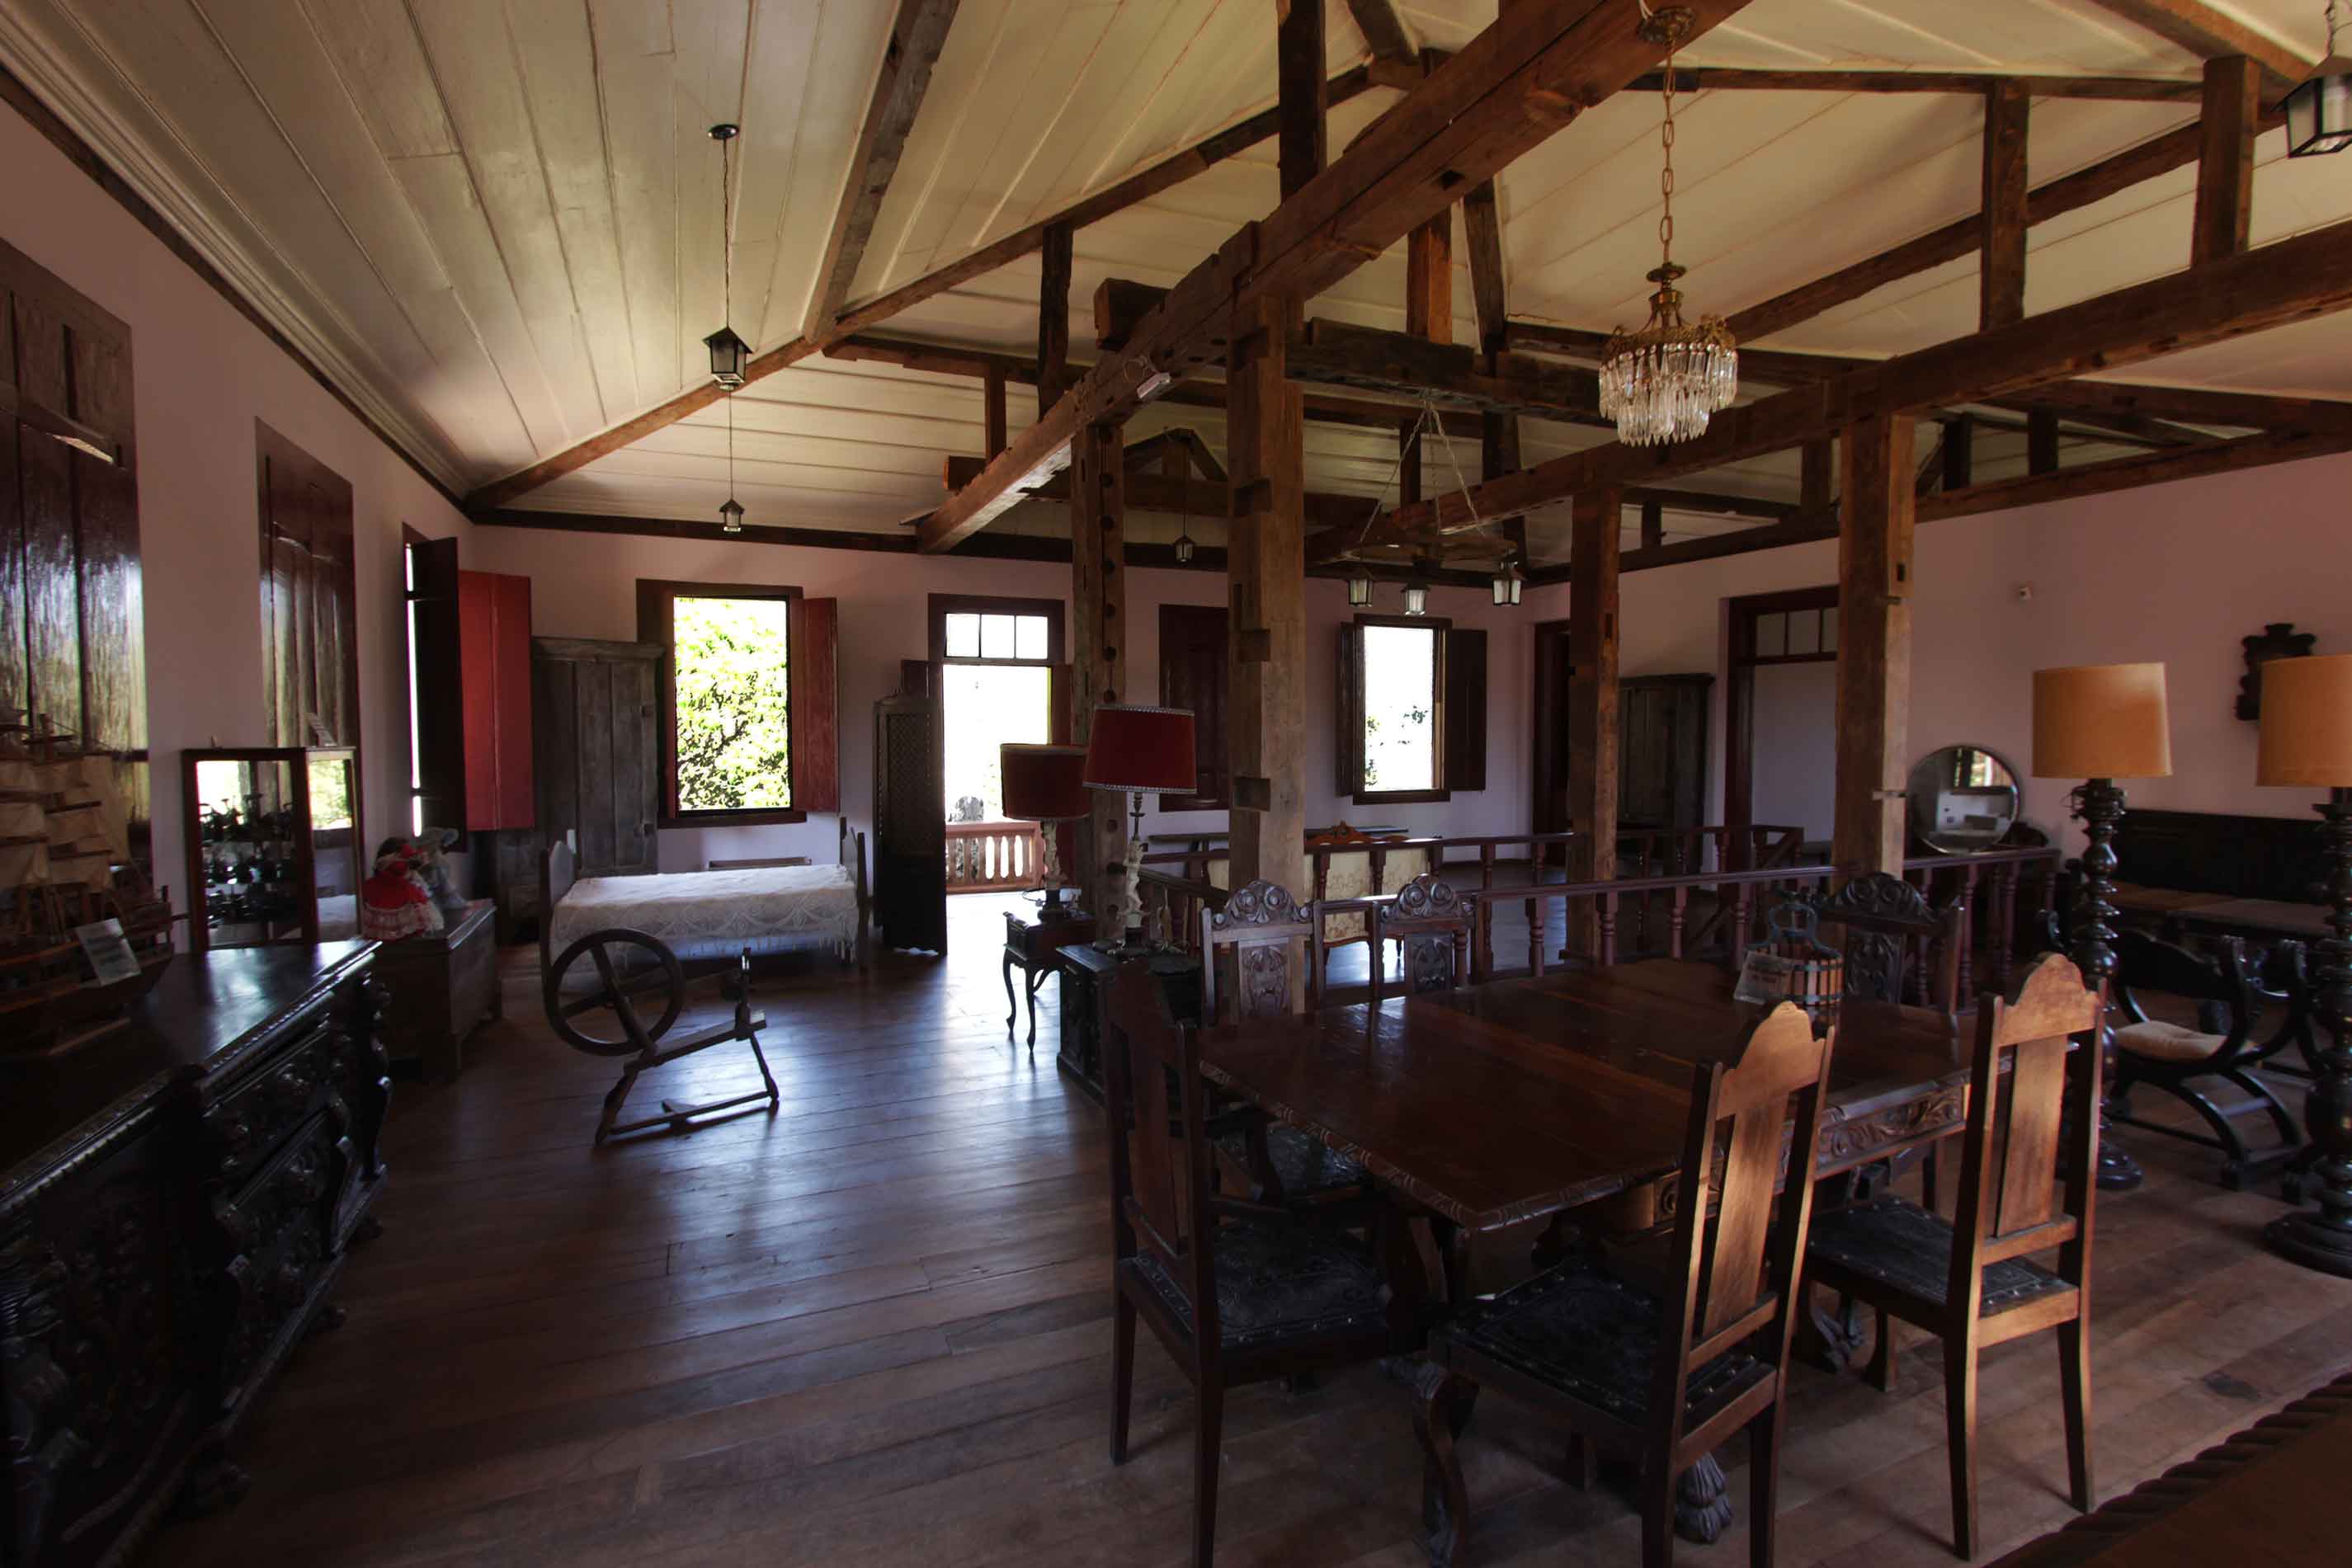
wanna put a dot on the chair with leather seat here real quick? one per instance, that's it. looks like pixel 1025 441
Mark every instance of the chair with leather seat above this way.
pixel 2173 1056
pixel 1970 1281
pixel 1237 1293
pixel 1254 954
pixel 1662 1364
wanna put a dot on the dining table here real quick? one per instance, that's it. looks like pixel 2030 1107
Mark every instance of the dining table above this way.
pixel 1492 1106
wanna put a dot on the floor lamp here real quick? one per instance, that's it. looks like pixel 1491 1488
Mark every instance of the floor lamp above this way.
pixel 2306 740
pixel 2100 723
pixel 1139 750
pixel 1046 785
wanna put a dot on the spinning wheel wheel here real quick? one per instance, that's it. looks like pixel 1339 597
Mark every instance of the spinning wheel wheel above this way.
pixel 621 994
pixel 614 992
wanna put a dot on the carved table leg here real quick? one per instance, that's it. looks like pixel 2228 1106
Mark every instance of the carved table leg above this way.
pixel 1011 1007
pixel 1702 1503
pixel 1442 1407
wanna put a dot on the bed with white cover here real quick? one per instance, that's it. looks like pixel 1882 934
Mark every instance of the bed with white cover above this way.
pixel 711 915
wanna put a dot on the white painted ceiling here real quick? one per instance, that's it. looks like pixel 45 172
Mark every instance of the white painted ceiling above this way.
pixel 497 222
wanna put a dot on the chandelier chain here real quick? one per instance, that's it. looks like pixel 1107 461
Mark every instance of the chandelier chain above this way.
pixel 1666 172
pixel 2331 29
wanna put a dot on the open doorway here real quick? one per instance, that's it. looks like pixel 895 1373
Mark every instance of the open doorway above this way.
pixel 997 659
pixel 1781 712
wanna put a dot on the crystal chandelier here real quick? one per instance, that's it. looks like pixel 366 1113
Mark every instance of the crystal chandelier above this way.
pixel 1662 383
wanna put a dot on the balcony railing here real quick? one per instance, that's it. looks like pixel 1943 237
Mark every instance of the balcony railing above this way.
pixel 989 857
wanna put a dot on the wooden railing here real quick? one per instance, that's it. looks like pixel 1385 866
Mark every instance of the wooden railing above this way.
pixel 987 857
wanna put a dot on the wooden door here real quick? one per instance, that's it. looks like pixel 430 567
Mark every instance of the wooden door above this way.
pixel 1548 729
pixel 598 756
pixel 1196 674
pixel 910 876
pixel 1662 756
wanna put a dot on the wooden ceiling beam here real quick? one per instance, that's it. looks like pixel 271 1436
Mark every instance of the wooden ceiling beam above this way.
pixel 2002 214
pixel 2291 280
pixel 1151 491
pixel 2158 155
pixel 1538 68
pixel 1337 353
pixel 1302 95
pixel 917 36
pixel 1385 34
pixel 2225 160
pixel 1965 84
pixel 1171 171
pixel 2210 34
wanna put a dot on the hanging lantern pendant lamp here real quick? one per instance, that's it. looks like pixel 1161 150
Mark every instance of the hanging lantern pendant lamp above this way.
pixel 728 354
pixel 1662 383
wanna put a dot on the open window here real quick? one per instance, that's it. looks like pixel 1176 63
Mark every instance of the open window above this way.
pixel 1412 709
pixel 750 698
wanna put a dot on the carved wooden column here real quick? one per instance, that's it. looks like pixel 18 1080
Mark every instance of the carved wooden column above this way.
pixel 1098 644
pixel 1266 566
pixel 1595 521
pixel 1874 655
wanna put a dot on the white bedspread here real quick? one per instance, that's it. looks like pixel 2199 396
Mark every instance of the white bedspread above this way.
pixel 717 913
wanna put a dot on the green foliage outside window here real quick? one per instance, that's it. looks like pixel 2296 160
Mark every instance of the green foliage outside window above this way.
pixel 734 742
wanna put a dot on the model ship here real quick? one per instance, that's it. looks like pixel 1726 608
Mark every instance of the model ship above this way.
pixel 65 863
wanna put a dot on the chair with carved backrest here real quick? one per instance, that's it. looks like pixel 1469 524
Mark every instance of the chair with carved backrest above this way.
pixel 1897 946
pixel 1430 924
pixel 1238 1292
pixel 1253 956
pixel 1968 1280
pixel 2170 1056
pixel 1664 1369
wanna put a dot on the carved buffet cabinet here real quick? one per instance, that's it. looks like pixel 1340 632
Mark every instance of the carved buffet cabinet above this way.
pixel 176 1202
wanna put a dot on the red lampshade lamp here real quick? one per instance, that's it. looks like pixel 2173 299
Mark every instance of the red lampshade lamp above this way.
pixel 1140 750
pixel 1045 784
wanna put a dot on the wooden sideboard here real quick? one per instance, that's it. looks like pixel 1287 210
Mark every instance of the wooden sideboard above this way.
pixel 176 1203
pixel 444 984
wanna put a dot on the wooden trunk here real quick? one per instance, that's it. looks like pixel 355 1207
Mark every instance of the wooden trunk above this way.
pixel 444 984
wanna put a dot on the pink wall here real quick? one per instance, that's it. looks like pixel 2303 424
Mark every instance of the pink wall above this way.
pixel 204 374
pixel 2174 572
pixel 585 586
pixel 1796 746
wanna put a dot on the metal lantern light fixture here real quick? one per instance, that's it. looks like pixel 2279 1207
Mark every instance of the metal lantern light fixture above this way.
pixel 1359 590
pixel 1184 523
pixel 1507 582
pixel 728 354
pixel 730 515
pixel 1661 384
pixel 1416 588
pixel 2319 109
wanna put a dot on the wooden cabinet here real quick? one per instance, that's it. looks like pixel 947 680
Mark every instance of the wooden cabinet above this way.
pixel 1661 751
pixel 176 1202
pixel 910 892
pixel 598 750
pixel 444 985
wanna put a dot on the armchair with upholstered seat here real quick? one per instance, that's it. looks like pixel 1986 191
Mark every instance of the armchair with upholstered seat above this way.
pixel 2173 1056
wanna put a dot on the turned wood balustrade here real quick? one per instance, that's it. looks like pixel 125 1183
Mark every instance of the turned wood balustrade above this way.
pixel 987 857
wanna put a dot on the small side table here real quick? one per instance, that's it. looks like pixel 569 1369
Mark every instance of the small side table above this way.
pixel 1031 945
pixel 1086 975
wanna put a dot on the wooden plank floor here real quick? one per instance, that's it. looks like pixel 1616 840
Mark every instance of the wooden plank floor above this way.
pixel 874 1329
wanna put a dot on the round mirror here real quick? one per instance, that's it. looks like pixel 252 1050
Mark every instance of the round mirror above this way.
pixel 1963 799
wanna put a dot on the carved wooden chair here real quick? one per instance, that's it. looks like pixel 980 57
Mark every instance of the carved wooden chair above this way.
pixel 1662 1371
pixel 1897 946
pixel 1237 1293
pixel 2172 1057
pixel 1254 954
pixel 1430 924
pixel 1968 1280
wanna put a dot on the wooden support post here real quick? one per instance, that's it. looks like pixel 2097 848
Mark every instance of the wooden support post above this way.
pixel 2000 274
pixel 992 403
pixel 1302 92
pixel 1266 566
pixel 1428 315
pixel 1595 522
pixel 2042 440
pixel 1054 317
pixel 1818 477
pixel 1874 653
pixel 2225 158
pixel 1098 646
pixel 1482 234
pixel 1654 524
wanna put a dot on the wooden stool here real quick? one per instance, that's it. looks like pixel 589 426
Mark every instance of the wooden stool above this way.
pixel 641 1045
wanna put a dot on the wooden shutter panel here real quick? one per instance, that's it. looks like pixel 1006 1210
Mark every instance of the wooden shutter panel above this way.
pixel 1348 747
pixel 1196 672
pixel 1061 702
pixel 816 708
pixel 1466 710
pixel 437 622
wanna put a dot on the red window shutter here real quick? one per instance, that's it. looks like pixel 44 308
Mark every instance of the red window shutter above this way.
pixel 816 707
pixel 494 622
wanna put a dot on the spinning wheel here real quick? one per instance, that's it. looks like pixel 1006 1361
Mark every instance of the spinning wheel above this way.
pixel 620 993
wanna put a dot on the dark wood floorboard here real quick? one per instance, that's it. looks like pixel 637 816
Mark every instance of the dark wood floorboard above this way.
pixel 876 1330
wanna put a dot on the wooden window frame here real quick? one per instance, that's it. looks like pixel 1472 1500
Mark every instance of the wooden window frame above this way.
pixel 944 605
pixel 1441 628
pixel 657 624
pixel 1740 663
